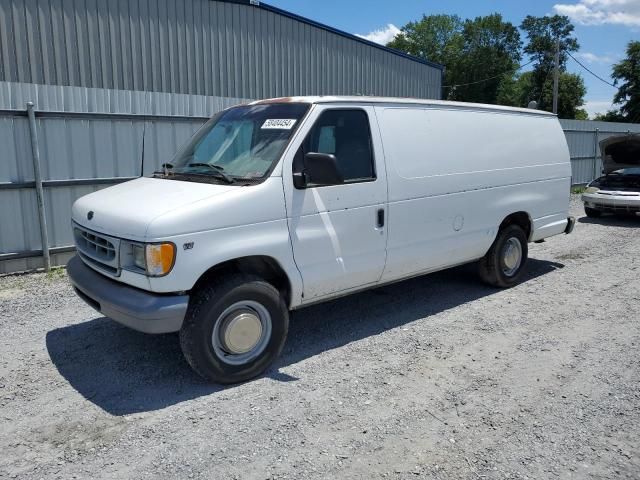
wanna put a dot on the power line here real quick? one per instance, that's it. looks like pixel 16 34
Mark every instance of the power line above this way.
pixel 598 77
pixel 487 79
pixel 524 65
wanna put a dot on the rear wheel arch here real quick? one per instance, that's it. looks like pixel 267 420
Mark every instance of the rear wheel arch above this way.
pixel 522 219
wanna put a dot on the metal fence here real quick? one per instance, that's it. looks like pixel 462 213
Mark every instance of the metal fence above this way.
pixel 583 138
pixel 86 139
pixel 78 153
pixel 102 143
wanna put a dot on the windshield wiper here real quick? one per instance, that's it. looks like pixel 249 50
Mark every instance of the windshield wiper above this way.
pixel 216 168
pixel 214 172
pixel 202 164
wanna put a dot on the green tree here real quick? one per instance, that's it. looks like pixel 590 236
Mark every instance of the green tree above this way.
pixel 437 38
pixel 490 56
pixel 610 116
pixel 627 72
pixel 516 91
pixel 582 114
pixel 543 33
pixel 472 51
pixel 434 37
pixel 571 91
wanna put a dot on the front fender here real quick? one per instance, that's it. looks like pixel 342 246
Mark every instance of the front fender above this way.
pixel 198 252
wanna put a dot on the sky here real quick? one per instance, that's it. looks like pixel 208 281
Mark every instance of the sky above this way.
pixel 603 27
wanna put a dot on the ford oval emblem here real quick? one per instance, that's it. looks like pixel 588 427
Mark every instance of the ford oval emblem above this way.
pixel 90 215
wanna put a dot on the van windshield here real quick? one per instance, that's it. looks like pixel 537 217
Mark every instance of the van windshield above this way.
pixel 242 143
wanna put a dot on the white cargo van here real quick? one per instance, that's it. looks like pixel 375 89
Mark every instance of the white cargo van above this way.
pixel 283 203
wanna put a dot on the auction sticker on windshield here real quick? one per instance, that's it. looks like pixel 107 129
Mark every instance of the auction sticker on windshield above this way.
pixel 279 123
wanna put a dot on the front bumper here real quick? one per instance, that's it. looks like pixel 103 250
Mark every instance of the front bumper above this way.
pixel 624 203
pixel 137 309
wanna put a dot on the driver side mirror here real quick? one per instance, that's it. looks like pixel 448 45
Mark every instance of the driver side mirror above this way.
pixel 320 170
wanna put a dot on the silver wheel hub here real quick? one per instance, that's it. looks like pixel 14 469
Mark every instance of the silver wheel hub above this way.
pixel 511 256
pixel 241 333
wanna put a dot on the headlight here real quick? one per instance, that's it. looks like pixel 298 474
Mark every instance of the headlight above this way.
pixel 155 260
pixel 591 190
pixel 138 256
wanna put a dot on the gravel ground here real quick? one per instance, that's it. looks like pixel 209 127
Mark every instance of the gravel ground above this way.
pixel 437 377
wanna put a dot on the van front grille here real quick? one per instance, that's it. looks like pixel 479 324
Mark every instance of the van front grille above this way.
pixel 98 250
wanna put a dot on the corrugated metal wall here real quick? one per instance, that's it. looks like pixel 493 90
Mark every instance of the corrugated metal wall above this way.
pixel 583 138
pixel 104 141
pixel 98 100
pixel 199 47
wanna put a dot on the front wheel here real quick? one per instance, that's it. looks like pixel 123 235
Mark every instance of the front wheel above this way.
pixel 234 329
pixel 503 264
pixel 592 212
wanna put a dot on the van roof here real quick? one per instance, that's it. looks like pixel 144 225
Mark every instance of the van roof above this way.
pixel 363 99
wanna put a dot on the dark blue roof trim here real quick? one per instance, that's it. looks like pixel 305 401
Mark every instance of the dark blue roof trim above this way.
pixel 342 33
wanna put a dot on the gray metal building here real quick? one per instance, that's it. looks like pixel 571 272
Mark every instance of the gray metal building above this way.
pixel 239 49
pixel 111 79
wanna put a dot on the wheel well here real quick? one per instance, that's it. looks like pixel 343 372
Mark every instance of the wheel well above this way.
pixel 519 218
pixel 264 267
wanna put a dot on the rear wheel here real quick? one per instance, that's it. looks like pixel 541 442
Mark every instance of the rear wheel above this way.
pixel 592 212
pixel 503 264
pixel 234 329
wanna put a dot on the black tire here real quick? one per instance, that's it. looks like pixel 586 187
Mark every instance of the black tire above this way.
pixel 592 212
pixel 205 310
pixel 492 266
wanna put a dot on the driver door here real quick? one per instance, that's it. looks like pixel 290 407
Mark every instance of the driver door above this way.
pixel 338 232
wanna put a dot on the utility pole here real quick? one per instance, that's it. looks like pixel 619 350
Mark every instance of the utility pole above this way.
pixel 556 77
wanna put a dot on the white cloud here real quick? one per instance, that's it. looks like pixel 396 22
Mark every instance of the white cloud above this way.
pixel 597 106
pixel 600 12
pixel 593 58
pixel 383 35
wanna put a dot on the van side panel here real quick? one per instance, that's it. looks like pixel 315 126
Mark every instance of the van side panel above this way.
pixel 455 174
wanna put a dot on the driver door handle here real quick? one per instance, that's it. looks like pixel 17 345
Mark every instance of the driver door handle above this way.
pixel 380 218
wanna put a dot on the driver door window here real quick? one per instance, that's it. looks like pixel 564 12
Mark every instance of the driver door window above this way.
pixel 345 134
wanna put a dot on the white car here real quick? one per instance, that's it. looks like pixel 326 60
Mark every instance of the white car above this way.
pixel 618 191
pixel 284 203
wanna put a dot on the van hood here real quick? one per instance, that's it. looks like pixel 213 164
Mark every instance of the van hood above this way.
pixel 620 151
pixel 126 210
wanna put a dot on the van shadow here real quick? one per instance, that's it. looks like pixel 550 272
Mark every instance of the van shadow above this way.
pixel 123 371
pixel 624 221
